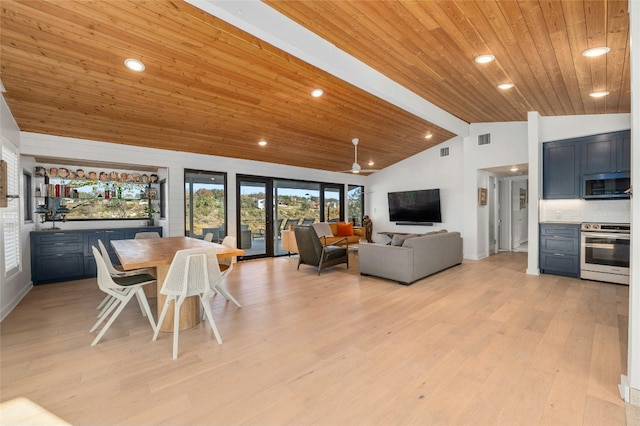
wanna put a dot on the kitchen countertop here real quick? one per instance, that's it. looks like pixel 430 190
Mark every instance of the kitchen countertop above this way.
pixel 560 222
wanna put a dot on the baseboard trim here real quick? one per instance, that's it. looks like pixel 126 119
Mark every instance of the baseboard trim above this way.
pixel 6 309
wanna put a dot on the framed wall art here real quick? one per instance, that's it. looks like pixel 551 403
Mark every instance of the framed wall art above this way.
pixel 482 196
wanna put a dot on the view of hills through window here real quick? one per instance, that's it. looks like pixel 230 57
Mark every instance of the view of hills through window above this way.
pixel 80 199
pixel 208 207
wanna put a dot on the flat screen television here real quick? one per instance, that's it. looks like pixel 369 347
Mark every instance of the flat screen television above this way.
pixel 421 206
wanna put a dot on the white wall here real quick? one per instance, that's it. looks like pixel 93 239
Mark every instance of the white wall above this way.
pixel 574 126
pixel 426 170
pixel 172 165
pixel 508 147
pixel 13 288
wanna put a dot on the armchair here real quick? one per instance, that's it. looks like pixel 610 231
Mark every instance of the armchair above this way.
pixel 312 252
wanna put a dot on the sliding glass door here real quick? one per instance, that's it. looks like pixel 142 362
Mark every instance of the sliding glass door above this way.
pixel 255 233
pixel 267 206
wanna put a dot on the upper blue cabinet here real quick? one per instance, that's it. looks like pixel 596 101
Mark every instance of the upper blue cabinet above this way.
pixel 566 162
pixel 561 169
pixel 606 153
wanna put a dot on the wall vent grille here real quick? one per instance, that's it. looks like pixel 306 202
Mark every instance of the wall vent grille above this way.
pixel 484 139
pixel 444 152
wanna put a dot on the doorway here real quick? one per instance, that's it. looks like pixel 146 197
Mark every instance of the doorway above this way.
pixel 512 214
pixel 493 217
pixel 255 216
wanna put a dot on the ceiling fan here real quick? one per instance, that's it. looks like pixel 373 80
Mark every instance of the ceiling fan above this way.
pixel 355 167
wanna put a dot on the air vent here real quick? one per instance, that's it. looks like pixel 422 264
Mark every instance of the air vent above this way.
pixel 444 152
pixel 484 139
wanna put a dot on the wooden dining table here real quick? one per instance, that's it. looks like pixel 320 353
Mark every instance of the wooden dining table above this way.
pixel 156 254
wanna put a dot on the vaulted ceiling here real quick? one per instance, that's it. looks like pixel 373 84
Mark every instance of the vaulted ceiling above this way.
pixel 210 87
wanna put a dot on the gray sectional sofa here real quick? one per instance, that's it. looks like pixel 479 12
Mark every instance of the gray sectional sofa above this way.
pixel 416 257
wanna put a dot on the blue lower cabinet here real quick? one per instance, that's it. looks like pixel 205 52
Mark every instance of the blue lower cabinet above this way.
pixel 67 255
pixel 59 267
pixel 560 249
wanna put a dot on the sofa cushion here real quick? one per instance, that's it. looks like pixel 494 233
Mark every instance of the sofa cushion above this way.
pixel 345 229
pixel 409 237
pixel 323 229
pixel 399 239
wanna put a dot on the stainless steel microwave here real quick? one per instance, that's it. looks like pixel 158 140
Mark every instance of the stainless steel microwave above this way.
pixel 606 185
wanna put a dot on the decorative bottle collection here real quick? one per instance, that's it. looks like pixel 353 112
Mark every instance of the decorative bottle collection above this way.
pixel 57 190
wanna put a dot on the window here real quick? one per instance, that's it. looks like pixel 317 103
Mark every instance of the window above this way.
pixel 294 201
pixel 332 202
pixel 27 196
pixel 87 199
pixel 356 204
pixel 11 214
pixel 205 204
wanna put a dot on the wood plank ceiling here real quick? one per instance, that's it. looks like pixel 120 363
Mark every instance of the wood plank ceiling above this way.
pixel 210 88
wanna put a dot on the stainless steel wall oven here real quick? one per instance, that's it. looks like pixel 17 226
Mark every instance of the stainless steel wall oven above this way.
pixel 605 251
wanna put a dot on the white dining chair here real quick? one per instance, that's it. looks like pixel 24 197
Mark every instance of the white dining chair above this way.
pixel 193 272
pixel 108 299
pixel 121 289
pixel 208 237
pixel 142 235
pixel 226 266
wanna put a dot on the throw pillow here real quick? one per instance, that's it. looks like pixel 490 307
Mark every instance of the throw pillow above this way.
pixel 345 229
pixel 322 229
pixel 398 239
pixel 408 240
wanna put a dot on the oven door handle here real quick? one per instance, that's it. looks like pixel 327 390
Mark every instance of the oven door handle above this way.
pixel 600 246
pixel 601 235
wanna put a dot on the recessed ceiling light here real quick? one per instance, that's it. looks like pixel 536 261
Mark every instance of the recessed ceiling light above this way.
pixel 371 163
pixel 505 86
pixel 134 64
pixel 513 169
pixel 596 51
pixel 316 93
pixel 484 59
pixel 598 94
pixel 262 143
pixel 428 136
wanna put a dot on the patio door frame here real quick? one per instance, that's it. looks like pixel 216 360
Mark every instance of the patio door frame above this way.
pixel 269 184
pixel 268 211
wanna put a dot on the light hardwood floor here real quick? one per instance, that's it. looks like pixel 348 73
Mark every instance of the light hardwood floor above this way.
pixel 479 344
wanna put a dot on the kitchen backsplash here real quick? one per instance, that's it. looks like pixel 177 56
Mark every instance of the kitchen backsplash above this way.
pixel 612 211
